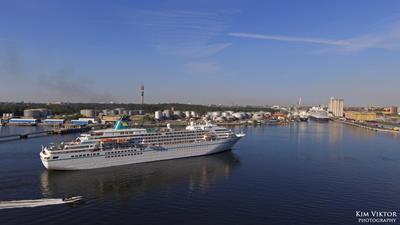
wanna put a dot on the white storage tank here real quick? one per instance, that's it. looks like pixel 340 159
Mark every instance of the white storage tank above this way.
pixel 193 114
pixel 167 113
pixel 216 114
pixel 238 115
pixel 158 115
pixel 187 114
pixel 258 116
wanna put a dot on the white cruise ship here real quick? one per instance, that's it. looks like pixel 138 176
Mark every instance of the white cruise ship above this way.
pixel 122 145
pixel 317 113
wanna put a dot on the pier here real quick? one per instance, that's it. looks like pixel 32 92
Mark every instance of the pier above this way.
pixel 377 129
pixel 55 131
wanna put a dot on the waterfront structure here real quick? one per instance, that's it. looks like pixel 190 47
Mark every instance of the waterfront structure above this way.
pixel 53 121
pixel 106 119
pixel 80 122
pixel 88 112
pixel 336 107
pixel 36 113
pixel 123 145
pixel 27 121
pixel 360 116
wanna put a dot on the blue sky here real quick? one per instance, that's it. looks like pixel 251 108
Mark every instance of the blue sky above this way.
pixel 219 52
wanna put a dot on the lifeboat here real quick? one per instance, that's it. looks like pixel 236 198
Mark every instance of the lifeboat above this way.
pixel 122 140
pixel 106 140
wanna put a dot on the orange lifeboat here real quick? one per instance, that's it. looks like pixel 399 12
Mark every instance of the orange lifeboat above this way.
pixel 106 140
pixel 122 140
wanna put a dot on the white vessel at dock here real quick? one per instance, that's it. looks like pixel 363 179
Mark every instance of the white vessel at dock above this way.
pixel 317 113
pixel 122 145
pixel 303 116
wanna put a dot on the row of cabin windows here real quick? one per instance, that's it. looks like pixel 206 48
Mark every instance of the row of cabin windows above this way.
pixel 108 153
pixel 155 135
pixel 85 155
pixel 179 140
pixel 129 154
pixel 78 146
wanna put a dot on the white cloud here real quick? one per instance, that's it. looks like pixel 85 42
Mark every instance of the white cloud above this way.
pixel 291 39
pixel 388 38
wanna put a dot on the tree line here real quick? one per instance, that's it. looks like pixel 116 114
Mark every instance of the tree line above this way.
pixel 72 108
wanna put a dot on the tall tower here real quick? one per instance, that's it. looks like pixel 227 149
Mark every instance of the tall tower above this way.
pixel 142 93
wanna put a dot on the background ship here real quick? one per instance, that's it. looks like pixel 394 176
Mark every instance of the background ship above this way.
pixel 303 115
pixel 317 113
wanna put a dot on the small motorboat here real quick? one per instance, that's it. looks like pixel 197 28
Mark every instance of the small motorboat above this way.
pixel 75 199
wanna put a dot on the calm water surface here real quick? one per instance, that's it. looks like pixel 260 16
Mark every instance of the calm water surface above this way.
pixel 306 173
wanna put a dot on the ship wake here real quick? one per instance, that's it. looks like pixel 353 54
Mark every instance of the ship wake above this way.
pixel 31 203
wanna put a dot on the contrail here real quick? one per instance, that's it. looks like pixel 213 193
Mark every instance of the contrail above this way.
pixel 291 39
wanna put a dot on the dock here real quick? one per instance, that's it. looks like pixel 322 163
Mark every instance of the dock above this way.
pixel 377 129
pixel 55 131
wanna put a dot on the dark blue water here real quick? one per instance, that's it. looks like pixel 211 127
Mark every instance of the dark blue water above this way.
pixel 306 173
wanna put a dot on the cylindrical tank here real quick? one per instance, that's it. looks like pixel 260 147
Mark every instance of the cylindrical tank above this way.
pixel 158 115
pixel 258 116
pixel 216 114
pixel 167 113
pixel 238 115
pixel 187 114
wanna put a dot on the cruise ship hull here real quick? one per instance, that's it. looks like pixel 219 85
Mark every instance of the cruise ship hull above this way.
pixel 147 155
pixel 319 119
pixel 303 119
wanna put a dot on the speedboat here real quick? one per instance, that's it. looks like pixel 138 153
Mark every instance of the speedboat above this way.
pixel 75 199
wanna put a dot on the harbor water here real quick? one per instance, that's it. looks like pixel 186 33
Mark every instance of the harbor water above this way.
pixel 303 173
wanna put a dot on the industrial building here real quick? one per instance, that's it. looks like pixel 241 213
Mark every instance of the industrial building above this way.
pixel 336 107
pixel 79 122
pixel 23 121
pixel 109 119
pixel 393 110
pixel 53 121
pixel 88 112
pixel 36 113
pixel 360 116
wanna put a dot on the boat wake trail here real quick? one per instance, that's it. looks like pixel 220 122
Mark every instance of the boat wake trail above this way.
pixel 31 203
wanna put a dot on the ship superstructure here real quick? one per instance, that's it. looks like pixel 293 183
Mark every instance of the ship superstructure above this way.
pixel 317 113
pixel 123 145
